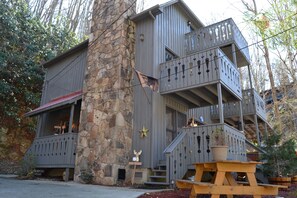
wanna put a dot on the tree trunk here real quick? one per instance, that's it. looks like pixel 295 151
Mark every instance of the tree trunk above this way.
pixel 271 79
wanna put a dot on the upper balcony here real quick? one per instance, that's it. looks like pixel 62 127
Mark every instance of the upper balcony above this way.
pixel 221 34
pixel 193 79
pixel 252 104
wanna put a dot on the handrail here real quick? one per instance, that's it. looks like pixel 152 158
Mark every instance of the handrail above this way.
pixel 199 69
pixel 193 145
pixel 174 143
pixel 54 151
pixel 216 35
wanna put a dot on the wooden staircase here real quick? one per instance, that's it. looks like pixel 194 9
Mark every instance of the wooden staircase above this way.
pixel 158 177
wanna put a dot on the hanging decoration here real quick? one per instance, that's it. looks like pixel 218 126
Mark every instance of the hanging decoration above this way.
pixel 143 132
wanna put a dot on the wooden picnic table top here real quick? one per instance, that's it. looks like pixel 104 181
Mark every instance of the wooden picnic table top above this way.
pixel 223 182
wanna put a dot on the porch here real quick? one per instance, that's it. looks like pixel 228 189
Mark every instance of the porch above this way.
pixel 55 151
pixel 193 145
pixel 222 34
pixel 194 79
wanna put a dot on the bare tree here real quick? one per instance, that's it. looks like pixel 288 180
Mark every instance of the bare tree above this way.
pixel 261 26
pixel 76 14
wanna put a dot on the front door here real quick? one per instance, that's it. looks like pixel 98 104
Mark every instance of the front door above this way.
pixel 174 121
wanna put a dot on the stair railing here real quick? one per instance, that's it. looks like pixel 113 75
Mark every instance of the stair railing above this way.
pixel 193 145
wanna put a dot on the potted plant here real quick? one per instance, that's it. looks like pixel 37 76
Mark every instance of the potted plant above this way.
pixel 218 146
pixel 280 159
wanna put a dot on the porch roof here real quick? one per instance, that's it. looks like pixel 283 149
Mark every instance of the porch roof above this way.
pixel 56 102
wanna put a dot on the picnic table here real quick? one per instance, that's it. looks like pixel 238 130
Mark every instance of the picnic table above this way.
pixel 223 182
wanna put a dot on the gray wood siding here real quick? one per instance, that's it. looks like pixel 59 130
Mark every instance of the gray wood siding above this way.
pixel 167 30
pixel 143 105
pixel 171 28
pixel 65 76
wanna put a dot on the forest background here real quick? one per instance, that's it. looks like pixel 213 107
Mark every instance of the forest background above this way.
pixel 34 31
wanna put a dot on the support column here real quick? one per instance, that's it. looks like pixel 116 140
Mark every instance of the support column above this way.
pixel 240 102
pixel 71 118
pixel 250 77
pixel 220 102
pixel 257 130
pixel 234 55
pixel 241 116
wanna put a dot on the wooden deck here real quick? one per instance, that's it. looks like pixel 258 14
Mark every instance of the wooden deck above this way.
pixel 56 151
pixel 221 34
pixel 192 145
pixel 252 104
pixel 194 78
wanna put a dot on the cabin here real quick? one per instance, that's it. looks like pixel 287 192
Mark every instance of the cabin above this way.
pixel 197 68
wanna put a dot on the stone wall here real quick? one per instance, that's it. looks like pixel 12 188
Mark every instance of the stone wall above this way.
pixel 105 135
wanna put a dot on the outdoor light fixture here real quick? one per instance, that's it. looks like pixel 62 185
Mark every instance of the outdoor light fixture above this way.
pixel 141 37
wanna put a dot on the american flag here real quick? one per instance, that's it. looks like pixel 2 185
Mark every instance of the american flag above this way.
pixel 148 81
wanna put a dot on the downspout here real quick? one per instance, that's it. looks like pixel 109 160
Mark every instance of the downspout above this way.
pixel 152 103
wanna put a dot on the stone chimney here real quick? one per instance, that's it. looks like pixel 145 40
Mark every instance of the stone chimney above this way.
pixel 105 134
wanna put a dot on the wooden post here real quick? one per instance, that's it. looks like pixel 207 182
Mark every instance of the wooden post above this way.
pixel 241 116
pixel 134 164
pixel 220 102
pixel 257 129
pixel 240 102
pixel 66 179
pixel 71 118
pixel 250 77
pixel 234 55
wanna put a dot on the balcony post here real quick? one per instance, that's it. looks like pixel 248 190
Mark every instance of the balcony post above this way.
pixel 71 118
pixel 257 130
pixel 234 55
pixel 250 77
pixel 220 102
pixel 241 126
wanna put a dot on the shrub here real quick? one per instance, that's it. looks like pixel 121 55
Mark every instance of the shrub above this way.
pixel 87 176
pixel 280 158
pixel 28 165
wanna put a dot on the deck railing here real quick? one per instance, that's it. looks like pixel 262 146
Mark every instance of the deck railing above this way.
pixel 193 145
pixel 252 103
pixel 259 105
pixel 57 151
pixel 215 35
pixel 198 70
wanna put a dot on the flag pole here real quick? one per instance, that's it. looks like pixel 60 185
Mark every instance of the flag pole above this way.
pixel 142 87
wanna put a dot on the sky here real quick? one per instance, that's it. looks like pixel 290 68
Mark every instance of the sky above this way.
pixel 211 11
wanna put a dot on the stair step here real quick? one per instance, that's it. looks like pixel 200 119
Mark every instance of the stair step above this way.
pixel 161 167
pixel 162 161
pixel 157 183
pixel 158 177
pixel 159 171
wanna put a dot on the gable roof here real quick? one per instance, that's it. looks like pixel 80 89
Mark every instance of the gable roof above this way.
pixel 72 50
pixel 158 9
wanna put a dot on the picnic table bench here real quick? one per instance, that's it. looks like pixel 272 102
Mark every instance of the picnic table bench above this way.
pixel 223 183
